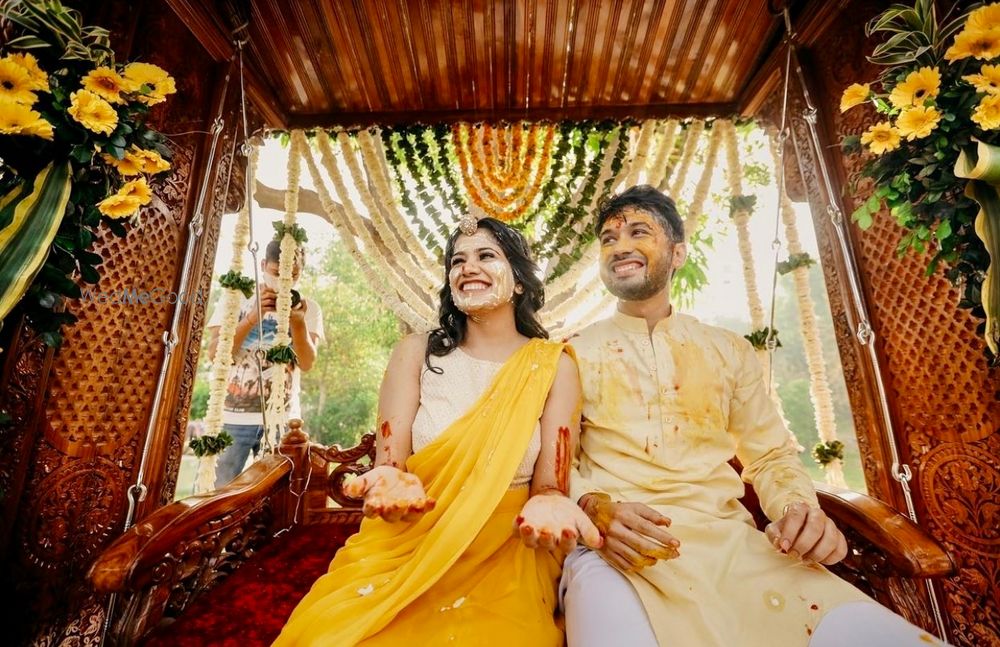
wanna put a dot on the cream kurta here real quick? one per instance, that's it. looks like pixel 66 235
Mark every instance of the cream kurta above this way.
pixel 663 414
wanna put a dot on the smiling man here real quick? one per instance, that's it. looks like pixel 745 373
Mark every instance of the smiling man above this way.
pixel 668 401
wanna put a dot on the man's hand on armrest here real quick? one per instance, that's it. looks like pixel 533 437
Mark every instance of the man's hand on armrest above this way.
pixel 805 531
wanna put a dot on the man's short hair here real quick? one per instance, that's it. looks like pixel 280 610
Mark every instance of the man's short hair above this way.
pixel 272 254
pixel 643 197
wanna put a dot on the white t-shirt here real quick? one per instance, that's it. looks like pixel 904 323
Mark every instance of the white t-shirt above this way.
pixel 242 405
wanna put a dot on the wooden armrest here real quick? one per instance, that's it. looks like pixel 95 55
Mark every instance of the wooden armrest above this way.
pixel 128 564
pixel 909 550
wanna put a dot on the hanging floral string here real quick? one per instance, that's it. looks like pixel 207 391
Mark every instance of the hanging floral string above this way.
pixel 423 277
pixel 696 208
pixel 417 302
pixel 375 275
pixel 668 139
pixel 679 175
pixel 819 384
pixel 281 353
pixel 235 287
pixel 373 155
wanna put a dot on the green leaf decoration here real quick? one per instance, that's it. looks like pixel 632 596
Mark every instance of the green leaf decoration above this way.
pixel 980 163
pixel 794 262
pixel 826 453
pixel 297 231
pixel 237 281
pixel 281 354
pixel 759 338
pixel 210 445
pixel 33 214
pixel 738 203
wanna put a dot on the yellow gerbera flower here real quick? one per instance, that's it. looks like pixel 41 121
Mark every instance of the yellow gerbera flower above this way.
pixel 918 121
pixel 15 82
pixel 160 83
pixel 16 117
pixel 138 190
pixel 854 95
pixel 979 43
pixel 986 17
pixel 129 165
pixel 39 128
pixel 118 206
pixel 105 83
pixel 39 77
pixel 92 112
pixel 987 81
pixel 881 138
pixel 987 113
pixel 150 161
pixel 918 86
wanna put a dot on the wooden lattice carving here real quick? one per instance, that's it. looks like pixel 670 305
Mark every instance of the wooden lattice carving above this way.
pixel 942 394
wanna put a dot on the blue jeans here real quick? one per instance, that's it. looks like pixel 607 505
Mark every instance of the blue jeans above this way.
pixel 246 438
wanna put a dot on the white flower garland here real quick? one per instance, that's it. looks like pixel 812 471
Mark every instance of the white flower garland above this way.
pixel 276 411
pixel 819 383
pixel 641 155
pixel 696 207
pixel 423 280
pixel 741 217
pixel 229 305
pixel 668 139
pixel 417 310
pixel 679 175
pixel 375 277
pixel 377 167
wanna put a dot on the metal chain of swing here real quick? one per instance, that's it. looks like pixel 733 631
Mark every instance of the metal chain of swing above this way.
pixel 864 333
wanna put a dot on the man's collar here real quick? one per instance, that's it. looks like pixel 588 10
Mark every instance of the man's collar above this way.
pixel 638 325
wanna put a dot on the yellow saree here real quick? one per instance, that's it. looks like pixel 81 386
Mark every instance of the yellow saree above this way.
pixel 459 574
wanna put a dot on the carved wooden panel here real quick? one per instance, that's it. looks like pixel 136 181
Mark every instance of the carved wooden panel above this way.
pixel 943 397
pixel 69 468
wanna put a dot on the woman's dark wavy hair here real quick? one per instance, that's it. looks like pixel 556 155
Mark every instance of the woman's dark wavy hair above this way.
pixel 452 330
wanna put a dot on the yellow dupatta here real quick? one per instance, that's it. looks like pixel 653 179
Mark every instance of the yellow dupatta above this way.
pixel 468 470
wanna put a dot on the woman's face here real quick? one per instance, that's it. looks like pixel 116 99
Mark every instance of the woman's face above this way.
pixel 480 278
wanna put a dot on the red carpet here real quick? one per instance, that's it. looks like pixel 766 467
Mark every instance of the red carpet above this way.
pixel 249 608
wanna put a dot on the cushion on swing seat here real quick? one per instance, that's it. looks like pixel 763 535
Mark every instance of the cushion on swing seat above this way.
pixel 250 607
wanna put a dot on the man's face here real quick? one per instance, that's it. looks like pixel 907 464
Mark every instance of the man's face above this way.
pixel 271 268
pixel 638 257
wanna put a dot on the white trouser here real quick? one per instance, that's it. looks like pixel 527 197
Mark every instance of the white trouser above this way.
pixel 600 605
pixel 602 609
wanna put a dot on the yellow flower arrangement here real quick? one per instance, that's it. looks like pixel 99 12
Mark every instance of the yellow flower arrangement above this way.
pixel 919 86
pixel 149 161
pixel 940 101
pixel 983 44
pixel 918 121
pixel 138 160
pixel 92 112
pixel 39 77
pixel 16 83
pixel 987 113
pixel 19 119
pixel 137 189
pixel 855 95
pixel 146 75
pixel 118 206
pixel 105 83
pixel 881 138
pixel 987 81
pixel 984 18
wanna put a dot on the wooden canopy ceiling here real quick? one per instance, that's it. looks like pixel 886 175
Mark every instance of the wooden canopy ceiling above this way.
pixel 326 62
